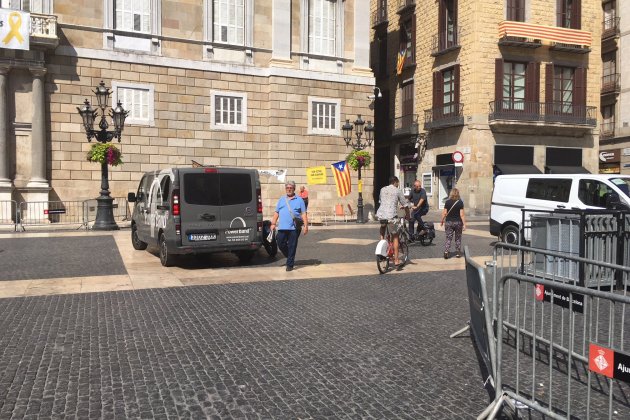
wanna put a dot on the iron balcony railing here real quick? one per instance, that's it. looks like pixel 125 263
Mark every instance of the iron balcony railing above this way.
pixel 561 113
pixel 379 16
pixel 607 130
pixel 405 4
pixel 407 124
pixel 610 83
pixel 444 116
pixel 610 27
pixel 445 41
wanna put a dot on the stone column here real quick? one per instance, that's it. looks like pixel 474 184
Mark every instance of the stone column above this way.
pixel 38 134
pixel 5 182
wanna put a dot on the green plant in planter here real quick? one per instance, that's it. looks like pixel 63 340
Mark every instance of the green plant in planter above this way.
pixel 357 159
pixel 105 152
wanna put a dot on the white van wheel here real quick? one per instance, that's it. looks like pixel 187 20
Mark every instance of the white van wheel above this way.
pixel 510 234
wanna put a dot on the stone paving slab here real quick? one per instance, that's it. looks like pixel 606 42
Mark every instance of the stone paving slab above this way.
pixel 361 347
pixel 23 258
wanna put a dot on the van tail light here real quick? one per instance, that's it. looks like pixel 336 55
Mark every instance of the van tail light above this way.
pixel 175 203
pixel 259 226
pixel 178 229
pixel 259 196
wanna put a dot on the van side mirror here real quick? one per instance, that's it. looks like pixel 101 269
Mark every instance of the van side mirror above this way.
pixel 131 197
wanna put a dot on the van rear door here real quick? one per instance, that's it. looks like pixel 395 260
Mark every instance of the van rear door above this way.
pixel 219 207
pixel 238 225
pixel 200 206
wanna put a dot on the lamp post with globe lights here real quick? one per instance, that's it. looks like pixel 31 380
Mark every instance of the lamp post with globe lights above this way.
pixel 104 212
pixel 363 137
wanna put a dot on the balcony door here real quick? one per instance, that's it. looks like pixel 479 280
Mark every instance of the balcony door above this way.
pixel 446 93
pixel 35 6
pixel 569 13
pixel 515 10
pixel 565 92
pixel 447 24
pixel 517 89
pixel 407 93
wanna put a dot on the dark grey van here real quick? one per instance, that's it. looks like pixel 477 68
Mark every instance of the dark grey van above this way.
pixel 198 210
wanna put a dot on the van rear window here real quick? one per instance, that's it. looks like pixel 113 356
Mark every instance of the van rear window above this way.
pixel 216 189
pixel 549 189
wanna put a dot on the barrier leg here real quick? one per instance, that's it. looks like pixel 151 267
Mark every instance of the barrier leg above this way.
pixel 459 332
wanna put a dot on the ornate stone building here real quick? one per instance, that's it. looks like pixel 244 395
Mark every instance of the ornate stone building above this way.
pixel 514 85
pixel 262 84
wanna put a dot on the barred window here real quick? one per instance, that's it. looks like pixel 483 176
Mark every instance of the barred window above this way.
pixel 324 116
pixel 230 111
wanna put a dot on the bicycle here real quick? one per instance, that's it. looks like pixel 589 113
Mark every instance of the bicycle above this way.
pixel 385 247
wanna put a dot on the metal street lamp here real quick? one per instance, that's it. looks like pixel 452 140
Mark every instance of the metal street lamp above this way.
pixel 105 211
pixel 357 145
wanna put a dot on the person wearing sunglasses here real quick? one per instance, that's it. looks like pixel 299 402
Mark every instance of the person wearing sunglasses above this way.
pixel 290 219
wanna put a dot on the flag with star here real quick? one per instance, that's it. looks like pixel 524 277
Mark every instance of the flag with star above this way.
pixel 341 173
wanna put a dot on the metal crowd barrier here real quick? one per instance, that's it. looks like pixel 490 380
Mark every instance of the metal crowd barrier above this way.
pixel 599 235
pixel 62 213
pixel 8 214
pixel 48 213
pixel 553 339
pixel 566 353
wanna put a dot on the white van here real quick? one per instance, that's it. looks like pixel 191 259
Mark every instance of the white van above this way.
pixel 550 192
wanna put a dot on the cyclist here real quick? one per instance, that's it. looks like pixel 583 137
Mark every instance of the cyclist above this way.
pixel 419 208
pixel 391 197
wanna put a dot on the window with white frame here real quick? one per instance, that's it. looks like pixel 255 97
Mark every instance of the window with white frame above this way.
pixel 322 26
pixel 324 114
pixel 427 183
pixel 228 21
pixel 133 15
pixel 229 111
pixel 137 99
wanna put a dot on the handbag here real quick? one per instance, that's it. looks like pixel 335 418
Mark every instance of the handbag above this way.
pixel 297 221
pixel 449 210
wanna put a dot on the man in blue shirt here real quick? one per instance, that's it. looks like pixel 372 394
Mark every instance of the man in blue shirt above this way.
pixel 289 209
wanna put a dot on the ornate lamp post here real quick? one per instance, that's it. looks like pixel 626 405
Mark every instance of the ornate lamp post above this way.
pixel 358 144
pixel 104 212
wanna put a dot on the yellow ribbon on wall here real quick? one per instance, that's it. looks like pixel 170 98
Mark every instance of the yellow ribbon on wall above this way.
pixel 15 24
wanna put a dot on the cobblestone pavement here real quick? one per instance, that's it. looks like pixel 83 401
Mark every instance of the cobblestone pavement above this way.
pixel 54 257
pixel 357 347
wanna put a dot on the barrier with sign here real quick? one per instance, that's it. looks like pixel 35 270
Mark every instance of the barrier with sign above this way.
pixel 8 214
pixel 557 360
pixel 120 208
pixel 38 213
pixel 557 342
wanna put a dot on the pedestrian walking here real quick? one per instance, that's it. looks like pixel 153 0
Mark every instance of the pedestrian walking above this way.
pixel 304 196
pixel 455 219
pixel 290 218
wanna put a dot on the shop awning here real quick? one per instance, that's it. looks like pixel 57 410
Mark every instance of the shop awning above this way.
pixel 566 170
pixel 511 169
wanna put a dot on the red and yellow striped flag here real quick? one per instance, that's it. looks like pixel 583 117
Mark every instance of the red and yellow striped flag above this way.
pixel 400 63
pixel 341 173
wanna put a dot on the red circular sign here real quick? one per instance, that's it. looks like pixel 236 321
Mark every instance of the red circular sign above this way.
pixel 458 157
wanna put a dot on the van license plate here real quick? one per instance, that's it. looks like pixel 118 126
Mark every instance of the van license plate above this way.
pixel 202 237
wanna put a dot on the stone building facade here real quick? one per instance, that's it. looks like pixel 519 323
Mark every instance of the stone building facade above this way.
pixel 614 154
pixel 262 84
pixel 514 85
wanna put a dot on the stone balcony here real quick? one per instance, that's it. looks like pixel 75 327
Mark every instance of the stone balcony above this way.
pixel 44 31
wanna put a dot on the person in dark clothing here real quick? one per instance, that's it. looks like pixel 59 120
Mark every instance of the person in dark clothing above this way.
pixel 453 215
pixel 419 207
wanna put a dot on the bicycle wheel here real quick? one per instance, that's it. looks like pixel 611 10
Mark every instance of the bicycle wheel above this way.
pixel 382 263
pixel 426 241
pixel 403 252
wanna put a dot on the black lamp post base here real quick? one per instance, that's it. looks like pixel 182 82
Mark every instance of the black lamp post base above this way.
pixel 105 214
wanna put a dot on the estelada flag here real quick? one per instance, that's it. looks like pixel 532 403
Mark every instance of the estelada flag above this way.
pixel 400 62
pixel 341 173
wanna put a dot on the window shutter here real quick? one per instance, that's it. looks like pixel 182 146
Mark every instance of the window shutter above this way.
pixel 576 17
pixel 456 86
pixel 441 25
pixel 559 14
pixel 455 21
pixel 498 81
pixel 580 89
pixel 531 82
pixel 413 39
pixel 438 88
pixel 549 88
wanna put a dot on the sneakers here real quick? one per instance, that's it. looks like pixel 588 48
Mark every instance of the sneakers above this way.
pixel 446 255
pixel 289 268
pixel 458 254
